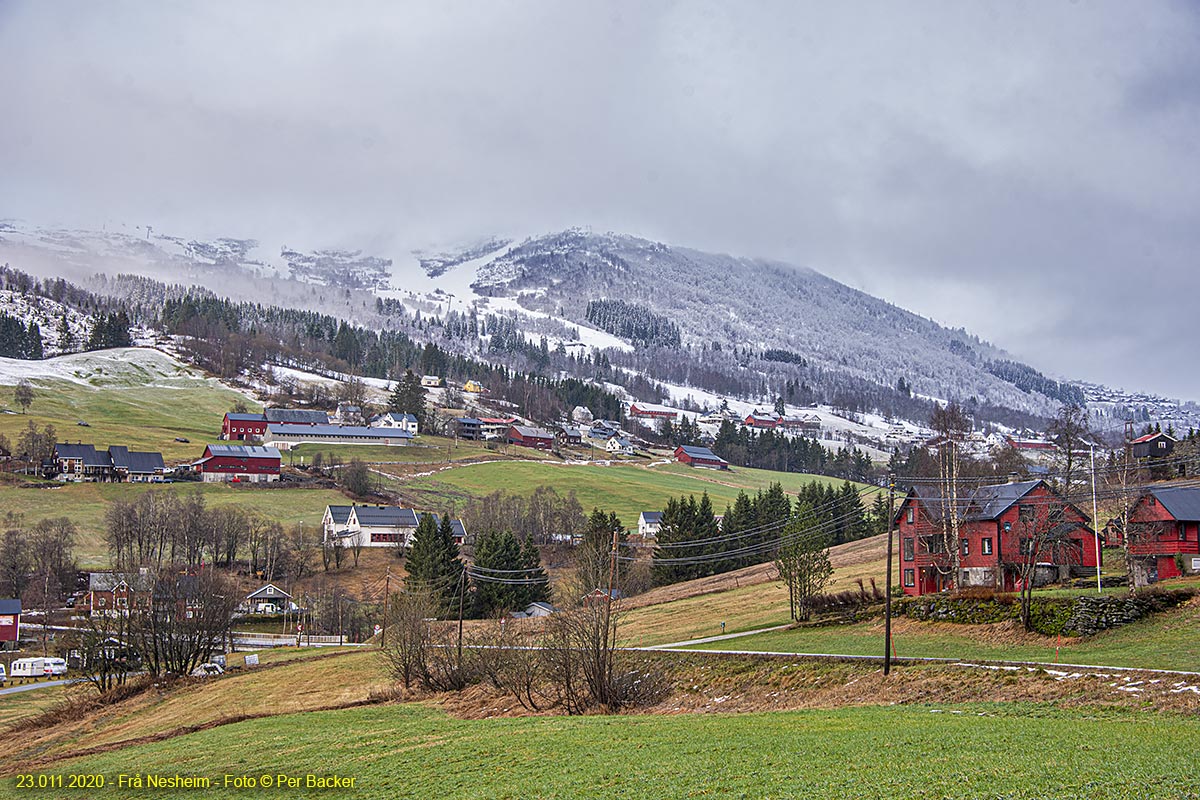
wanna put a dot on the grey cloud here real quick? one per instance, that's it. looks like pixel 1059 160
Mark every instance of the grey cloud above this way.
pixel 1024 170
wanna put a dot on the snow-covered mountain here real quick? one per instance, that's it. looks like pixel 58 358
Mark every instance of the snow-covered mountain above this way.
pixel 734 326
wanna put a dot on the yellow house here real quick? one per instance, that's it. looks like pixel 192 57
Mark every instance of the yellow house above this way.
pixel 473 387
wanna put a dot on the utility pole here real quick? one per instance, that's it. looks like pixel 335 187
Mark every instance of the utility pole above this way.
pixel 1096 520
pixel 387 593
pixel 612 585
pixel 887 600
pixel 462 590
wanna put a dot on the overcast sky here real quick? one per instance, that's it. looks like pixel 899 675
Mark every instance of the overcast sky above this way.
pixel 1030 171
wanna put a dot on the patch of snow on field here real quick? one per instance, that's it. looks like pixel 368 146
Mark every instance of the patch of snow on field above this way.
pixel 122 366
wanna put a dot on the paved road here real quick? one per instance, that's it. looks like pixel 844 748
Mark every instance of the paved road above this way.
pixel 31 686
pixel 722 637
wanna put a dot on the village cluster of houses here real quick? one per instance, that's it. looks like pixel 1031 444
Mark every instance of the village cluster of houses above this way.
pixel 284 428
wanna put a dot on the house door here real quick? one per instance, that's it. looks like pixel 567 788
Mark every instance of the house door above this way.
pixel 928 580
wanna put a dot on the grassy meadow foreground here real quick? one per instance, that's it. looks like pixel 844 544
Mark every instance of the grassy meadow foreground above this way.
pixel 982 750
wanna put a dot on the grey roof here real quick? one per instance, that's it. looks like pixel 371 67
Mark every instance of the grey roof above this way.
pixel 347 431
pixel 468 421
pixel 135 462
pixel 107 581
pixel 245 417
pixel 386 516
pixel 296 416
pixel 536 433
pixel 86 452
pixel 10 606
pixel 983 503
pixel 340 514
pixel 700 452
pixel 652 517
pixel 243 451
pixel 989 502
pixel 623 442
pixel 268 591
pixel 1183 502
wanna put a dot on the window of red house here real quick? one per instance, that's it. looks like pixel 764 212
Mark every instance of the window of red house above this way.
pixel 909 516
pixel 1026 513
pixel 966 547
pixel 987 545
pixel 908 578
pixel 1026 546
pixel 908 549
pixel 1182 531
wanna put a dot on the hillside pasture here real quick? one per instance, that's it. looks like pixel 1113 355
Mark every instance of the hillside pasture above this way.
pixel 627 489
pixel 136 397
pixel 87 503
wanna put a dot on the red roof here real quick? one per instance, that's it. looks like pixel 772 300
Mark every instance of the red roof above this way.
pixel 1148 437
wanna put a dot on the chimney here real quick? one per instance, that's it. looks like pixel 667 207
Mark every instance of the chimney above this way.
pixel 1014 477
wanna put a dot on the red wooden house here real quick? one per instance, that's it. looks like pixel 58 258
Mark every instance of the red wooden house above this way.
pixel 526 436
pixel 699 457
pixel 998 525
pixel 240 427
pixel 10 622
pixel 118 592
pixel 1163 523
pixel 234 462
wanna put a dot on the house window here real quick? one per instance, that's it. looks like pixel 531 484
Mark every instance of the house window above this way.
pixel 103 602
pixel 1057 515
pixel 1182 532
pixel 908 578
pixel 909 517
pixel 122 602
pixel 964 579
pixel 1026 546
pixel 1026 513
pixel 966 547
pixel 908 549
pixel 987 545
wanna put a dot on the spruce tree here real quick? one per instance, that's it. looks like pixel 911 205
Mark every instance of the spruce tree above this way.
pixel 433 562
pixel 498 558
pixel 408 397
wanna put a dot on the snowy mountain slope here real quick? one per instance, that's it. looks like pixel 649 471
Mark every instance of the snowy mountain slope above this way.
pixel 730 312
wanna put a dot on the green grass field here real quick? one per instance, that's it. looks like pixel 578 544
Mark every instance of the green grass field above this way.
pixel 626 489
pixel 134 397
pixel 400 751
pixel 1164 641
pixel 87 503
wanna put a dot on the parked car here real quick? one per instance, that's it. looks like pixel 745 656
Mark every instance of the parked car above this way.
pixel 55 666
pixel 3 676
pixel 208 670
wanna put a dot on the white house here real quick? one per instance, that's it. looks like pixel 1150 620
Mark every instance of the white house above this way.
pixel 649 523
pixel 377 526
pixel 393 419
pixel 431 381
pixel 619 446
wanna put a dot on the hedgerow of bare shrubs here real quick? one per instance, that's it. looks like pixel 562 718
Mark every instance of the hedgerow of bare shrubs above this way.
pixel 570 662
pixel 848 600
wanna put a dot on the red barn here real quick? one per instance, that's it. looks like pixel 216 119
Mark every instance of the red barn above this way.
pixel 652 411
pixel 240 427
pixel 1153 445
pixel 699 457
pixel 761 421
pixel 526 436
pixel 10 622
pixel 999 524
pixel 1163 523
pixel 235 462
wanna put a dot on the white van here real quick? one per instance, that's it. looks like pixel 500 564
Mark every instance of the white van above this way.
pixel 3 676
pixel 28 668
pixel 55 666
